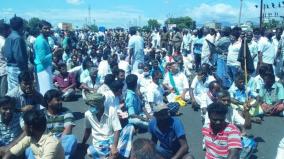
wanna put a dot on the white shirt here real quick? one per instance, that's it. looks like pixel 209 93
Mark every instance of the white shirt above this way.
pixel 88 81
pixel 199 87
pixel 232 117
pixel 109 96
pixel 180 79
pixel 124 65
pixel 103 69
pixel 205 49
pixel 267 49
pixel 105 128
pixel 253 48
pixel 136 42
pixel 155 93
pixel 186 41
pixel 3 62
pixel 233 53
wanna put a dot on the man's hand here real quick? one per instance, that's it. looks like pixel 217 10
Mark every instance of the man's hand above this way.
pixel 113 152
pixel 2 151
pixel 27 108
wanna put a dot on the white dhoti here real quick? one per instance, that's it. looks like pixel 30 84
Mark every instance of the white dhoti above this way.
pixel 45 80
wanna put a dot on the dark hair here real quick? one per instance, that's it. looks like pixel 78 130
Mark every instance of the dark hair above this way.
pixel 240 76
pixel 218 108
pixel 226 31
pixel 49 95
pixel 262 69
pixel 44 23
pixel 236 32
pixel 7 100
pixel 131 81
pixel 36 119
pixel 26 76
pixel 61 64
pixel 16 23
pixel 211 84
pixel 132 30
pixel 116 86
pixel 109 78
pixel 143 149
pixel 223 93
pixel 3 27
pixel 155 73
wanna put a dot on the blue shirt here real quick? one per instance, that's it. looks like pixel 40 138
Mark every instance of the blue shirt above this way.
pixel 133 103
pixel 169 139
pixel 8 133
pixel 43 55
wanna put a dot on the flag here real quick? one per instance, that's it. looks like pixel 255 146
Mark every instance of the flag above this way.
pixel 212 47
pixel 249 61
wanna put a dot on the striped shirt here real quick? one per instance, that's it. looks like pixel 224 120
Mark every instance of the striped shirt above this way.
pixel 10 132
pixel 57 123
pixel 218 146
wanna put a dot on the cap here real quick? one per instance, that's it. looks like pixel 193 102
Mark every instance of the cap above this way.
pixel 94 98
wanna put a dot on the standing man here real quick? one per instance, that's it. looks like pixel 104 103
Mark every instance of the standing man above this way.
pixel 222 140
pixel 4 32
pixel 43 58
pixel 135 49
pixel 15 52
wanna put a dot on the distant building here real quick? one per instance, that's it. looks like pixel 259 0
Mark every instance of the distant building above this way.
pixel 65 26
pixel 213 25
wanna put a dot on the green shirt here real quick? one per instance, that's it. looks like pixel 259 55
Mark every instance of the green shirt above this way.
pixel 272 96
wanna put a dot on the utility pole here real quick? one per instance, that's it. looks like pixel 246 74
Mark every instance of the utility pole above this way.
pixel 240 14
pixel 261 14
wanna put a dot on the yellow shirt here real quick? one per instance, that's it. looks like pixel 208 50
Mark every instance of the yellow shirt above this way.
pixel 48 147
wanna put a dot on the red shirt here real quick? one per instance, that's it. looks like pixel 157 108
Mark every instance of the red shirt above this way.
pixel 218 146
pixel 64 82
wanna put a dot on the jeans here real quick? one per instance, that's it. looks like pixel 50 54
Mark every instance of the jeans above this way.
pixel 138 123
pixel 222 74
pixel 12 78
pixel 3 85
pixel 197 59
pixel 68 142
pixel 233 71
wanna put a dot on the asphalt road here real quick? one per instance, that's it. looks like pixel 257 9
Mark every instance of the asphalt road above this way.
pixel 268 134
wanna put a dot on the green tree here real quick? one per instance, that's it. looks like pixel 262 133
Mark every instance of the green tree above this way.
pixel 153 24
pixel 182 22
pixel 33 26
pixel 93 27
pixel 272 24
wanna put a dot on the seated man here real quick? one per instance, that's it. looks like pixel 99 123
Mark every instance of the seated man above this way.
pixel 65 82
pixel 176 82
pixel 133 104
pixel 170 133
pixel 240 97
pixel 222 139
pixel 10 129
pixel 91 83
pixel 271 96
pixel 60 122
pixel 199 86
pixel 241 120
pixel 26 95
pixel 109 140
pixel 208 98
pixel 155 92
pixel 43 145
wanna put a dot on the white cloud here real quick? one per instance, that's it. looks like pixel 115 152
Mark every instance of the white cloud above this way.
pixel 119 16
pixel 222 12
pixel 205 12
pixel 76 2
